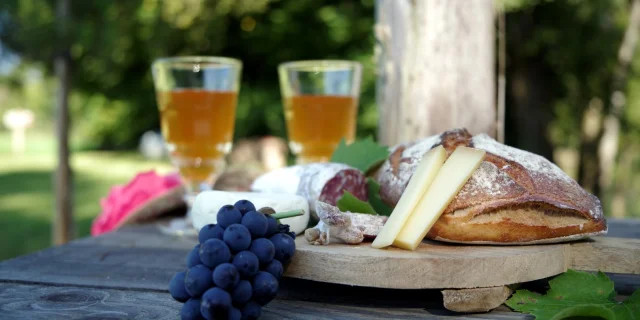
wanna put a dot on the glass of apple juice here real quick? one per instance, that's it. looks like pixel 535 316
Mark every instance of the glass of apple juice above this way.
pixel 320 100
pixel 197 98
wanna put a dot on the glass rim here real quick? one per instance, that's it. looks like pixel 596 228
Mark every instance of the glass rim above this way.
pixel 210 60
pixel 325 64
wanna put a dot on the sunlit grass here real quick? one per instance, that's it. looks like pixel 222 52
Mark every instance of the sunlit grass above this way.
pixel 27 193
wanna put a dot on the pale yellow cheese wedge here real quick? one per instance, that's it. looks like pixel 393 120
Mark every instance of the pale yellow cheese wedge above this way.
pixel 422 178
pixel 450 179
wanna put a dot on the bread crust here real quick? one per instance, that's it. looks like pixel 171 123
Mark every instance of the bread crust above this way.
pixel 514 197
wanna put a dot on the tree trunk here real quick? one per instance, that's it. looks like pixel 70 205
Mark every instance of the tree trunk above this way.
pixel 435 67
pixel 599 147
pixel 608 147
pixel 63 219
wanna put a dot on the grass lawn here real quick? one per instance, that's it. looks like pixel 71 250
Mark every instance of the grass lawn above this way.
pixel 26 190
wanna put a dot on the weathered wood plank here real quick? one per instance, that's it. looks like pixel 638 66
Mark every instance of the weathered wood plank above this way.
pixel 606 254
pixel 34 302
pixel 19 301
pixel 102 266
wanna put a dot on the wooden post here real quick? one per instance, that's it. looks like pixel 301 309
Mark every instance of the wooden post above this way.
pixel 436 67
pixel 63 225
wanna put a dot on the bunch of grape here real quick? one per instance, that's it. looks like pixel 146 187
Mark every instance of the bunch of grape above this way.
pixel 235 269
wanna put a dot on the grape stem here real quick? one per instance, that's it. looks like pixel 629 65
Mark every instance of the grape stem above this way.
pixel 288 214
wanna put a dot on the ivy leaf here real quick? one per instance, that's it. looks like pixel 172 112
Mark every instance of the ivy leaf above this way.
pixel 348 202
pixel 363 155
pixel 374 198
pixel 575 293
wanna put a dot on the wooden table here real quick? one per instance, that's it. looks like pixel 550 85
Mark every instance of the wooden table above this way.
pixel 125 275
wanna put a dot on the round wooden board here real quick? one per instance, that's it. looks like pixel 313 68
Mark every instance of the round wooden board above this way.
pixel 433 265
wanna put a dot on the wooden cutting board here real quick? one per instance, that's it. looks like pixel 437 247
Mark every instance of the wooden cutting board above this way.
pixel 439 265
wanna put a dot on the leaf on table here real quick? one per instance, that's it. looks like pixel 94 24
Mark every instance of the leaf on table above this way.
pixel 576 293
pixel 349 202
pixel 374 198
pixel 363 155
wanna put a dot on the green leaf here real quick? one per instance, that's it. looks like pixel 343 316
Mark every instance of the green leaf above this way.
pixel 575 293
pixel 374 198
pixel 348 202
pixel 363 154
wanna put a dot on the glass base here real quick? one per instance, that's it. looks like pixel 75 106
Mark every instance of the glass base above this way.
pixel 183 226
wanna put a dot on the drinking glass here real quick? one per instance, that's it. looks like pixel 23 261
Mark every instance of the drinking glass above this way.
pixel 197 99
pixel 320 105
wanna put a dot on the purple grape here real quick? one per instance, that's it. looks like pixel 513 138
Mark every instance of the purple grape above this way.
pixel 275 268
pixel 237 237
pixel 210 231
pixel 285 247
pixel 241 293
pixel 244 206
pixel 247 264
pixel 194 257
pixel 226 276
pixel 191 310
pixel 197 280
pixel 265 287
pixel 228 215
pixel 177 289
pixel 215 304
pixel 256 222
pixel 214 252
pixel 272 226
pixel 263 249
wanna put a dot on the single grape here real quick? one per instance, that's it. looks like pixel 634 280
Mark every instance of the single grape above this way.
pixel 275 268
pixel 177 289
pixel 237 237
pixel 256 222
pixel 228 215
pixel 251 311
pixel 247 264
pixel 265 287
pixel 272 226
pixel 226 276
pixel 285 247
pixel 263 249
pixel 292 235
pixel 215 304
pixel 241 293
pixel 197 280
pixel 191 310
pixel 234 314
pixel 210 231
pixel 244 206
pixel 214 252
pixel 193 257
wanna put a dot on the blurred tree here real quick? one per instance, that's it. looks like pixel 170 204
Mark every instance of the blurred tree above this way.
pixel 114 42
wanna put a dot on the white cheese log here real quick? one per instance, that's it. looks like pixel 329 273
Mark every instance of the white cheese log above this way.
pixel 207 203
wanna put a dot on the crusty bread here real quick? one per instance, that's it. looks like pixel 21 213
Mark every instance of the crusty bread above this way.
pixel 514 197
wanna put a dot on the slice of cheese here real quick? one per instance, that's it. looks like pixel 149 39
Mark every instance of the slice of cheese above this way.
pixel 422 178
pixel 450 179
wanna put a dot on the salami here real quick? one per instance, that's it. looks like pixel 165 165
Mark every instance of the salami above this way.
pixel 315 182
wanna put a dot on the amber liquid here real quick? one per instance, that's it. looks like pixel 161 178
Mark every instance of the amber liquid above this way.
pixel 316 124
pixel 198 127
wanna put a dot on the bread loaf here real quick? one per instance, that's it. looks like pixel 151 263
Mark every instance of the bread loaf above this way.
pixel 514 197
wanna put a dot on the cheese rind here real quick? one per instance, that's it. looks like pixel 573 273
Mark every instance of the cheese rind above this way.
pixel 450 179
pixel 419 183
